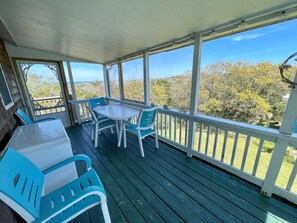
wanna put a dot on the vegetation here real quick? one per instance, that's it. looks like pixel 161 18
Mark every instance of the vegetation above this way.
pixel 89 90
pixel 242 91
pixel 42 87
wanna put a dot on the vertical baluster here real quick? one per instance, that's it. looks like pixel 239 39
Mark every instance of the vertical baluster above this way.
pixel 88 112
pixel 292 177
pixel 166 116
pixel 82 112
pixel 180 130
pixel 170 126
pixel 246 149
pixel 207 140
pixel 200 137
pixel 175 127
pixel 258 156
pixel 234 149
pixel 215 143
pixel 224 145
pixel 157 124
pixel 186 132
pixel 161 130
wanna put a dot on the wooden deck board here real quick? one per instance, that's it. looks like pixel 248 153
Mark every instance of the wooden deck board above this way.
pixel 166 186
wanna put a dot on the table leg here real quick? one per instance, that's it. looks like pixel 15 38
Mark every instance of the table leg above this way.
pixel 120 133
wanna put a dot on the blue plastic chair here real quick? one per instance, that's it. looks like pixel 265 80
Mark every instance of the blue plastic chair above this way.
pixel 100 124
pixel 25 120
pixel 94 102
pixel 146 124
pixel 22 184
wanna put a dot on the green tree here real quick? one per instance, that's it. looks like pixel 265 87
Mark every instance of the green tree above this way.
pixel 243 91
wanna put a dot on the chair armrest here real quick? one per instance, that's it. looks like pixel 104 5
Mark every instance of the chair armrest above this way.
pixel 45 119
pixel 67 161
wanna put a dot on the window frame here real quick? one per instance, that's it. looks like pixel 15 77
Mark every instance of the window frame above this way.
pixel 108 67
pixel 12 102
pixel 123 81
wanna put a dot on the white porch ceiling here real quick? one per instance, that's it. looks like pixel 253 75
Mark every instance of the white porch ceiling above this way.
pixel 103 30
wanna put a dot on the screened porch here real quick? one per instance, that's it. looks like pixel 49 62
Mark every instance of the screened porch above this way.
pixel 215 163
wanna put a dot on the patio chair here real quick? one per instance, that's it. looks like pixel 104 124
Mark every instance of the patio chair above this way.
pixel 94 102
pixel 25 120
pixel 100 124
pixel 21 189
pixel 145 126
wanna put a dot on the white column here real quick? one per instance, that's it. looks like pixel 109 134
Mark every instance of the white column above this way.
pixel 280 147
pixel 194 91
pixel 121 82
pixel 146 78
pixel 106 81
pixel 275 164
pixel 74 98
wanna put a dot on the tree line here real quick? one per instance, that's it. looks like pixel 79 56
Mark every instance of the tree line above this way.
pixel 241 91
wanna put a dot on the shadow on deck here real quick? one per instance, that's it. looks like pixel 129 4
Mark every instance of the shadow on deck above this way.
pixel 166 186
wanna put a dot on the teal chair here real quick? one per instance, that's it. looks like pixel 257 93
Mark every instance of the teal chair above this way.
pixel 94 102
pixel 22 184
pixel 25 120
pixel 100 124
pixel 146 125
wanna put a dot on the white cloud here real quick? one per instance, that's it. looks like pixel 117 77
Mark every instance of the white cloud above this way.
pixel 246 36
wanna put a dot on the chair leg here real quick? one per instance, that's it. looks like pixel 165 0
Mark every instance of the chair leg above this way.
pixel 141 147
pixel 105 212
pixel 93 133
pixel 111 129
pixel 96 135
pixel 117 127
pixel 156 140
pixel 125 136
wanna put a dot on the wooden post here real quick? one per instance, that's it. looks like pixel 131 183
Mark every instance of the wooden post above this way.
pixel 280 147
pixel 146 78
pixel 121 82
pixel 275 164
pixel 106 81
pixel 76 106
pixel 194 91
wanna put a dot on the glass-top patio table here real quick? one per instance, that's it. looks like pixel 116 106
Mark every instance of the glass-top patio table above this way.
pixel 118 113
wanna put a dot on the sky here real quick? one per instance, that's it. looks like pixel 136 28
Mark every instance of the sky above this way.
pixel 273 43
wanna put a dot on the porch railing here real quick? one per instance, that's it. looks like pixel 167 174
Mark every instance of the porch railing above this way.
pixel 82 114
pixel 48 105
pixel 242 149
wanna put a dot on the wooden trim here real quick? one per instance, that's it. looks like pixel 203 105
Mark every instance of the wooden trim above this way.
pixel 146 78
pixel 121 82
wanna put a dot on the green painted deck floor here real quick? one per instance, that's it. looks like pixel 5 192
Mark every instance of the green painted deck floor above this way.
pixel 166 186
